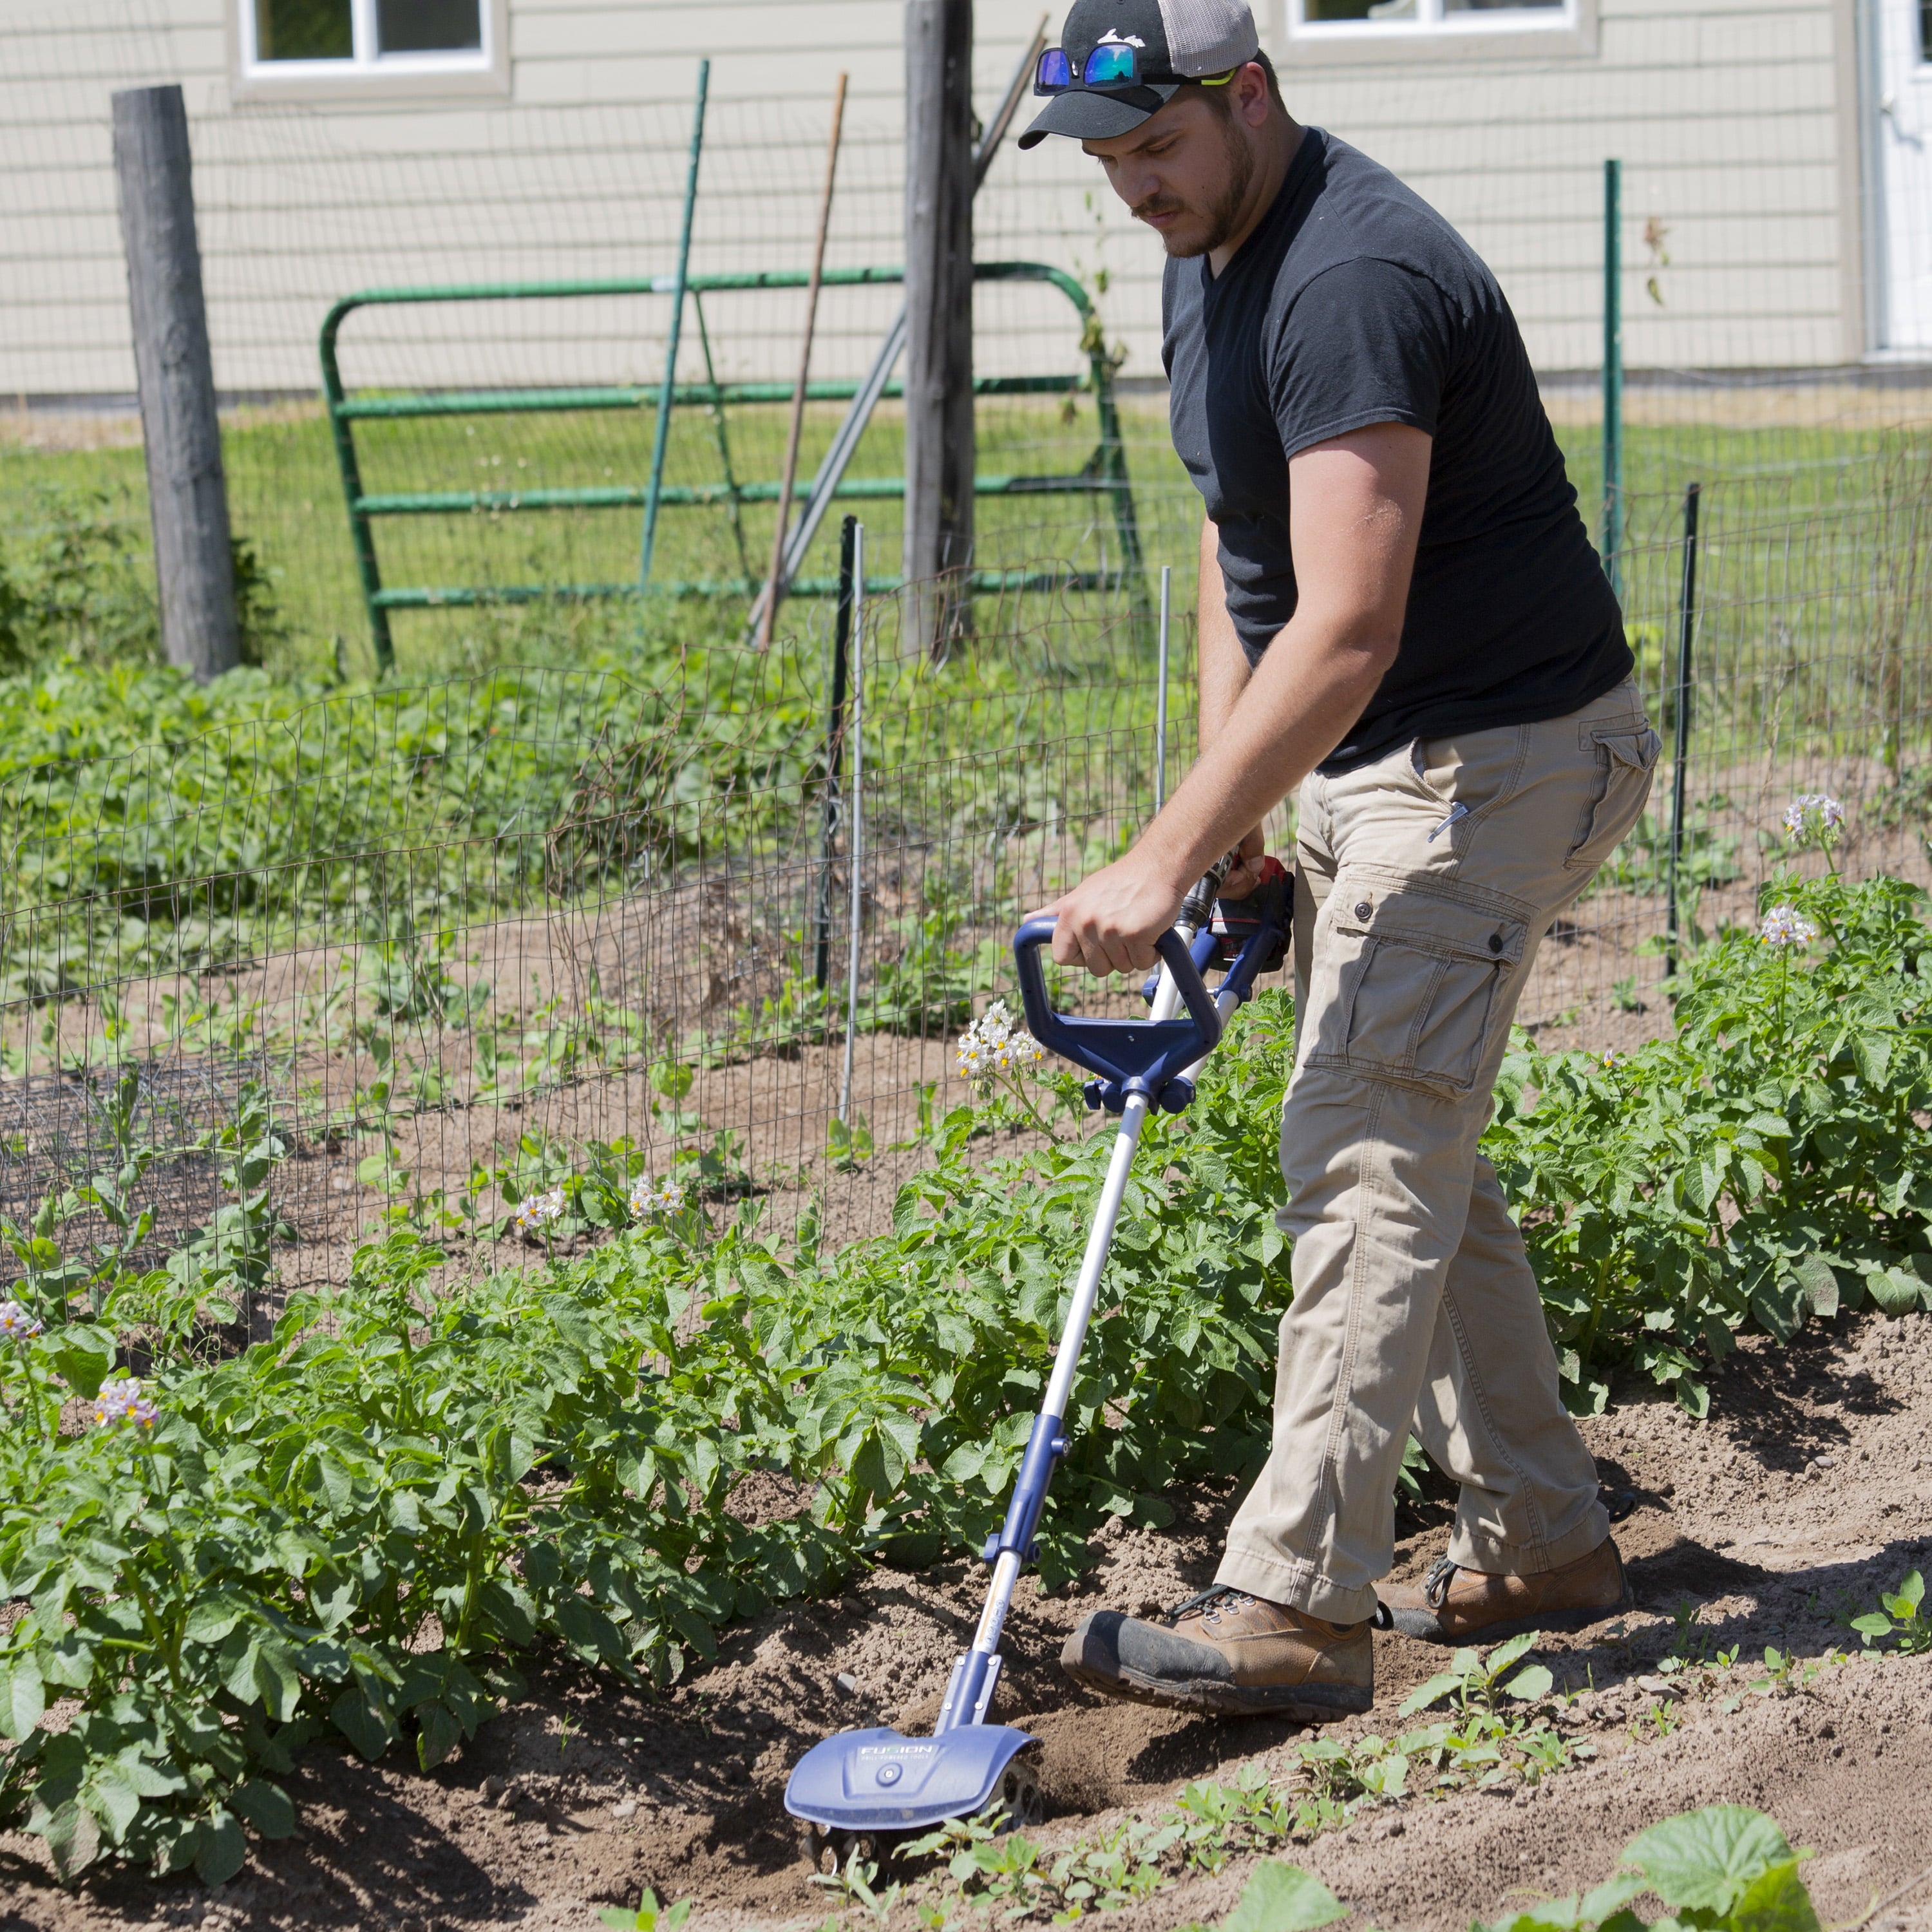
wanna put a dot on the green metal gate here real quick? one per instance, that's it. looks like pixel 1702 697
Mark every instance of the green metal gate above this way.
pixel 1105 471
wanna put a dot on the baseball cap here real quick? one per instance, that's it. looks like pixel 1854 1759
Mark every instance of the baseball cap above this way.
pixel 1177 40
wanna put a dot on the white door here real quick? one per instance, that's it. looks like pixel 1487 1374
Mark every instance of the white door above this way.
pixel 1905 150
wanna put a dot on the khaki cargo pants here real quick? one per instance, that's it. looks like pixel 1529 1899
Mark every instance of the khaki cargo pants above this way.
pixel 1426 882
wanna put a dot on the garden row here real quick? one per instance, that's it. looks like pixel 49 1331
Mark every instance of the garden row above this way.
pixel 356 1525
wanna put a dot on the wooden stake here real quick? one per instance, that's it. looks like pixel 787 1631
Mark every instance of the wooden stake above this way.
pixel 775 587
pixel 939 443
pixel 194 567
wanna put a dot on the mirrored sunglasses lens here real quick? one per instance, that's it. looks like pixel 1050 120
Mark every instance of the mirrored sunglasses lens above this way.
pixel 1110 67
pixel 1056 71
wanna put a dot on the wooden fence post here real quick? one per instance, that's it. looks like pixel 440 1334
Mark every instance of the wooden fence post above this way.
pixel 194 563
pixel 939 316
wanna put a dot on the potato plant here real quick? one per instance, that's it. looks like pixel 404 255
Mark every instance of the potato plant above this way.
pixel 1763 1166
pixel 353 1527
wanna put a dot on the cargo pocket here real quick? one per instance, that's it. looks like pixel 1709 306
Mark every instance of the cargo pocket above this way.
pixel 1415 986
pixel 1620 783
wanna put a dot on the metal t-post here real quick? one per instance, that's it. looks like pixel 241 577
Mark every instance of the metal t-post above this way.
pixel 1686 624
pixel 667 395
pixel 1613 374
pixel 1160 699
pixel 834 756
pixel 854 843
pixel 187 490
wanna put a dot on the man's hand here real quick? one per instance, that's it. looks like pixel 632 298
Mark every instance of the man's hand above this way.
pixel 1109 922
pixel 1245 874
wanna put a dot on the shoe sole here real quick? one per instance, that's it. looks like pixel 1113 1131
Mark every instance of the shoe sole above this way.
pixel 1423 1624
pixel 1303 1703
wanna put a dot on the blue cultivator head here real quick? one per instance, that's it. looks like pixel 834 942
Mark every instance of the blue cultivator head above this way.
pixel 874 1781
pixel 855 1793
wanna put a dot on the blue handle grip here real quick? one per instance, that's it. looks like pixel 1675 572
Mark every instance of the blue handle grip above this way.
pixel 1137 1056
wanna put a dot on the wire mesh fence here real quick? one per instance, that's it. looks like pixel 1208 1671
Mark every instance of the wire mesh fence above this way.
pixel 569 880
pixel 452 935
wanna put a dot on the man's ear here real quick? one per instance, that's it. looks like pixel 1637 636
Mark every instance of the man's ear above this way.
pixel 1250 89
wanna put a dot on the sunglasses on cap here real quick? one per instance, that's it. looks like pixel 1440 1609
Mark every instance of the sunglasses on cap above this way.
pixel 1108 66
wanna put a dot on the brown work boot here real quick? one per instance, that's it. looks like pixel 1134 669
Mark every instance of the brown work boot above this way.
pixel 1458 1606
pixel 1228 1653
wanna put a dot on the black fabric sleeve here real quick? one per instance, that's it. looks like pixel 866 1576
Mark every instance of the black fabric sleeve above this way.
pixel 1366 341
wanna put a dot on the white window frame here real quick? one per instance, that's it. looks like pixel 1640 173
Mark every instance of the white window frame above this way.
pixel 1498 33
pixel 367 74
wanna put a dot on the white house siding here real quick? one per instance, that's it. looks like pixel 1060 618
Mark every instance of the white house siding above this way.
pixel 1727 117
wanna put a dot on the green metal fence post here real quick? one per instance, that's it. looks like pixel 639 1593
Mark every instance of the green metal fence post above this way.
pixel 834 755
pixel 724 439
pixel 1687 625
pixel 1613 374
pixel 661 437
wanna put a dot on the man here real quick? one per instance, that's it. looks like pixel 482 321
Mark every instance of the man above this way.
pixel 1400 613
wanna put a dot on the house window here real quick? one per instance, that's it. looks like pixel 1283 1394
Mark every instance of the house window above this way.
pixel 385 41
pixel 1324 19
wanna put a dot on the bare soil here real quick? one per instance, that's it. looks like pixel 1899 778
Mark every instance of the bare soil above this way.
pixel 1808 1490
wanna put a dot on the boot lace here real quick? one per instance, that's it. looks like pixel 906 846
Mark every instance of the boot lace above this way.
pixel 1210 1603
pixel 1436 1585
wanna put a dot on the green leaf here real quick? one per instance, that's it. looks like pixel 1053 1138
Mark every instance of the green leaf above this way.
pixel 22 1697
pixel 1705 1860
pixel 1871 1054
pixel 1610 1898
pixel 589 1632
pixel 1777 1902
pixel 73 1838
pixel 1281 1897
pixel 223 1850
pixel 1530 1684
pixel 363 1722
pixel 1500 1659
pixel 1895 1292
pixel 277 1679
pixel 212 1618
pixel 267 1807
pixel 1438 1687
pixel 441 1732
pixel 82 1356
pixel 112 1797
pixel 1819 1284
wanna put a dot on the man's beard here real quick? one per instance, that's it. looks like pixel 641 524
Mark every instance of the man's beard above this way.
pixel 1224 217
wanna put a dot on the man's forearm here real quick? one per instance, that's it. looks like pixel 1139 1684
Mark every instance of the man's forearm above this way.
pixel 1295 709
pixel 1223 671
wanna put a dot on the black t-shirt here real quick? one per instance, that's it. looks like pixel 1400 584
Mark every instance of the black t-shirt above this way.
pixel 1353 303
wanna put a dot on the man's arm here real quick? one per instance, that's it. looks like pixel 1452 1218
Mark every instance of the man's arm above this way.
pixel 1355 511
pixel 1224 672
pixel 1222 675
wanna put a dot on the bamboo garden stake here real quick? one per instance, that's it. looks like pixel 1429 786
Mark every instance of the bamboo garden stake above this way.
pixel 774 584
